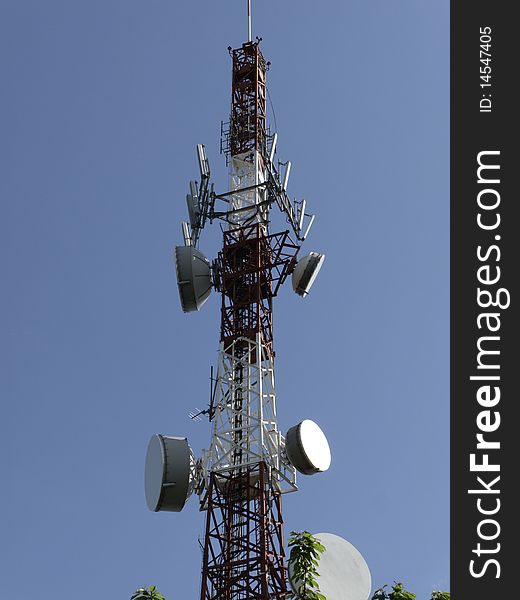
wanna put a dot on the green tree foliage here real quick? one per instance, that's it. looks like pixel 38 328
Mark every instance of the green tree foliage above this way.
pixel 147 594
pixel 304 559
pixel 399 593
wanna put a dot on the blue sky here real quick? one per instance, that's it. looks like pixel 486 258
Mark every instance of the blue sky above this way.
pixel 102 104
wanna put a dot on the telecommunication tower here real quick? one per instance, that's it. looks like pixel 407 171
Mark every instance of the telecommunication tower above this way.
pixel 241 478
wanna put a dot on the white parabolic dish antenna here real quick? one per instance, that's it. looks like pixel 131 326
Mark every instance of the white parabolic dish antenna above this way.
pixel 307 448
pixel 168 474
pixel 193 277
pixel 306 271
pixel 343 572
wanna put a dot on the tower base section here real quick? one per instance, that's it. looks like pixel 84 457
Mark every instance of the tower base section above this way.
pixel 243 547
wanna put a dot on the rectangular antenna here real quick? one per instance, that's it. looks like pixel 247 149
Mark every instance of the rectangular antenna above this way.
pixel 186 233
pixel 194 188
pixel 309 226
pixel 203 161
pixel 286 176
pixel 301 214
pixel 273 148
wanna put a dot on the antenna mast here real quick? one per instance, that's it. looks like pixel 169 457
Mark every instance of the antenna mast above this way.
pixel 240 480
pixel 243 545
pixel 249 33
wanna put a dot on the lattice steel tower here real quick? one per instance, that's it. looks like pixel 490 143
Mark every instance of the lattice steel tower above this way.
pixel 250 464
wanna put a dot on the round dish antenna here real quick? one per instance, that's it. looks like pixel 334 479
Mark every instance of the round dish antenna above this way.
pixel 307 448
pixel 305 272
pixel 343 572
pixel 169 475
pixel 193 277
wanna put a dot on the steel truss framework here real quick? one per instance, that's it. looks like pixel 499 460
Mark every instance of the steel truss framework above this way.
pixel 246 470
pixel 248 105
pixel 245 430
pixel 247 136
pixel 252 266
pixel 243 547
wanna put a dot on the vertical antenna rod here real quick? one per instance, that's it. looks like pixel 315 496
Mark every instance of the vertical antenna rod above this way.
pixel 249 34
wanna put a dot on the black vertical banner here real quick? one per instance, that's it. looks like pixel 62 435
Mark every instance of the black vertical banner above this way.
pixel 485 268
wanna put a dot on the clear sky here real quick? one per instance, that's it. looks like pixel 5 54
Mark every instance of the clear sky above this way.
pixel 101 105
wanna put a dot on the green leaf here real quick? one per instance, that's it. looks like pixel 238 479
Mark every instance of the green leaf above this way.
pixel 304 559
